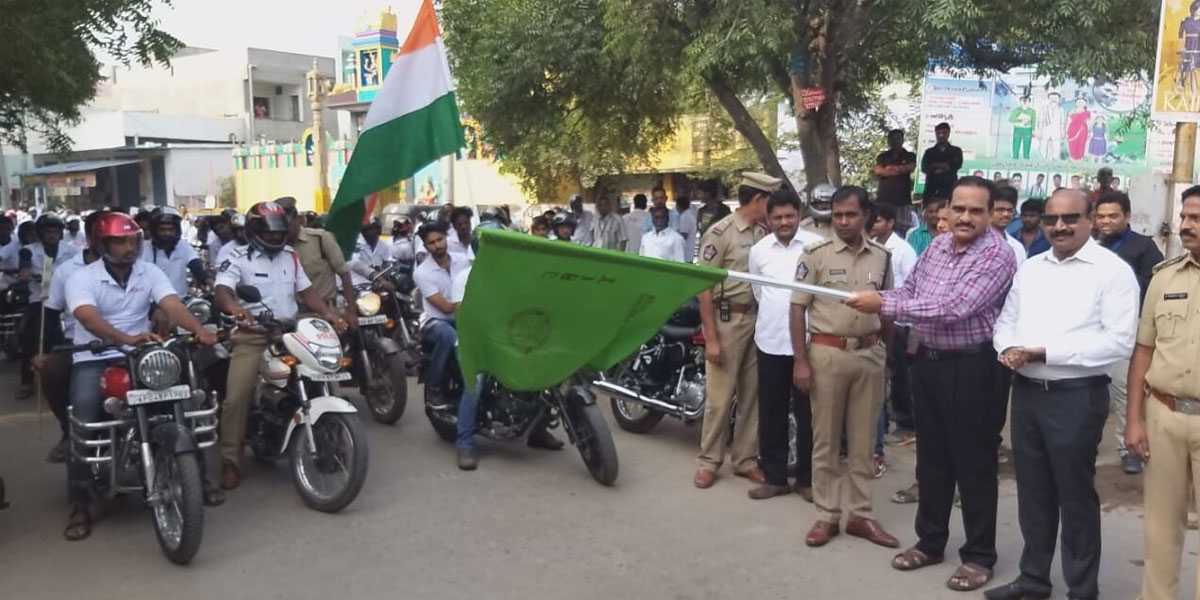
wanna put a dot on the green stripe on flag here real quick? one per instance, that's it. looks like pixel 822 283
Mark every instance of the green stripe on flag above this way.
pixel 536 310
pixel 389 153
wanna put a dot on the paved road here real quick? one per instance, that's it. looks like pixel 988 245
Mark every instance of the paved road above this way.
pixel 527 525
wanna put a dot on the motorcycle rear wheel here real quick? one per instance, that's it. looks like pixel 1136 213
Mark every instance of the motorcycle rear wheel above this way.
pixel 387 397
pixel 341 446
pixel 594 441
pixel 179 512
pixel 633 417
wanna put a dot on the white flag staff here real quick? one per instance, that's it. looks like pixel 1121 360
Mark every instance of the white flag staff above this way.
pixel 789 285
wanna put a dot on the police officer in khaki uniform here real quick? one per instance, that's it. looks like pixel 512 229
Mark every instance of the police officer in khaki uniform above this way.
pixel 1164 403
pixel 843 368
pixel 728 313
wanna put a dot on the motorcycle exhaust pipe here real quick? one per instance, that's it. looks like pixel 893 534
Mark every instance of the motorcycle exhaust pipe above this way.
pixel 628 394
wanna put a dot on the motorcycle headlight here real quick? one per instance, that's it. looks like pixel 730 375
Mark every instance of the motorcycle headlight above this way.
pixel 158 369
pixel 201 309
pixel 368 304
pixel 329 358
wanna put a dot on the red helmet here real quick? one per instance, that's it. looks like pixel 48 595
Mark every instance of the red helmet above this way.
pixel 113 225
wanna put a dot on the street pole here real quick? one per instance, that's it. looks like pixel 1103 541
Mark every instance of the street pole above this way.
pixel 1183 169
pixel 317 88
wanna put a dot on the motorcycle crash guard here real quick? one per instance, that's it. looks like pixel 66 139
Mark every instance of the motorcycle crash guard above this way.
pixel 317 407
pixel 174 436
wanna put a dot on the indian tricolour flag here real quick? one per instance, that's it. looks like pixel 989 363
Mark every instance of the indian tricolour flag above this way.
pixel 412 122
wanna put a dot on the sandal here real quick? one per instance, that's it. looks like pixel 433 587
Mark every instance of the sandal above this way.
pixel 969 577
pixel 79 526
pixel 213 496
pixel 913 559
pixel 908 495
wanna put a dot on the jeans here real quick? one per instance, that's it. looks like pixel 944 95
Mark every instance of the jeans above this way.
pixel 444 337
pixel 467 407
pixel 87 406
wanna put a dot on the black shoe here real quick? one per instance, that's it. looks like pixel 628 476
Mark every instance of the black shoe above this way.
pixel 466 459
pixel 435 399
pixel 1014 591
pixel 545 440
pixel 1131 464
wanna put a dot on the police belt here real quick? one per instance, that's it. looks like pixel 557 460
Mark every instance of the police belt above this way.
pixel 1179 404
pixel 741 309
pixel 1073 383
pixel 846 343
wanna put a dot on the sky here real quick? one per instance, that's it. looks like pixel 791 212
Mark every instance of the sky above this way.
pixel 302 26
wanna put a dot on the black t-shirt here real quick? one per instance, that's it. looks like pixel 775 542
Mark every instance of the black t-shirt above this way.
pixel 896 190
pixel 941 184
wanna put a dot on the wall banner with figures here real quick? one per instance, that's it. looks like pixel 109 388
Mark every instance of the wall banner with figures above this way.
pixel 1177 67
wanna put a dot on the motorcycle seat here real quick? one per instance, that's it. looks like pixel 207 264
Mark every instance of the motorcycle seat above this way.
pixel 676 333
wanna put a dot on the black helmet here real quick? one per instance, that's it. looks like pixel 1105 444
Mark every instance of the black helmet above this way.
pixel 402 225
pixel 262 218
pixel 165 214
pixel 494 214
pixel 47 221
pixel 372 223
pixel 563 218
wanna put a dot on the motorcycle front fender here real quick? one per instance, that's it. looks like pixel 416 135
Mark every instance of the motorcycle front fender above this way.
pixel 317 407
pixel 581 394
pixel 174 436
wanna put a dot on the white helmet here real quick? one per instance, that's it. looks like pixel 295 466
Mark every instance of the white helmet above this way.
pixel 820 202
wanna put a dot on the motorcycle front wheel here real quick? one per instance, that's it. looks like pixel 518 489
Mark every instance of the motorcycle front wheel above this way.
pixel 387 396
pixel 179 510
pixel 593 440
pixel 330 479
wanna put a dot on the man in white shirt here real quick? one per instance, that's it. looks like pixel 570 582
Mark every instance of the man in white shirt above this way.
pixel 1002 216
pixel 370 252
pixel 220 233
pixel 688 227
pixel 74 235
pixel 434 277
pixel 111 301
pixel 166 252
pixel 1071 313
pixel 904 260
pixel 272 266
pixel 37 263
pixel 583 222
pixel 458 238
pixel 663 242
pixel 777 256
pixel 10 247
pixel 608 230
pixel 634 221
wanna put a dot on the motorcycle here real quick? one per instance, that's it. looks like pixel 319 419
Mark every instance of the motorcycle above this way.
pixel 152 444
pixel 504 415
pixel 328 458
pixel 12 309
pixel 664 377
pixel 381 370
pixel 404 309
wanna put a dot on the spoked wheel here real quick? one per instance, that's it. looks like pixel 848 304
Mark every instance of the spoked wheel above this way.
pixel 387 395
pixel 634 417
pixel 179 508
pixel 330 478
pixel 593 440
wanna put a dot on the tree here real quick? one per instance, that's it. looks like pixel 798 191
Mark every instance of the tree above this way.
pixel 50 68
pixel 862 136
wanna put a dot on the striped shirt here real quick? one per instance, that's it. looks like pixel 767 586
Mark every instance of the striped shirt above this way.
pixel 954 297
pixel 920 238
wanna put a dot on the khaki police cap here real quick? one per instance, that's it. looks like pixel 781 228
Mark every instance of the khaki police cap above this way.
pixel 761 181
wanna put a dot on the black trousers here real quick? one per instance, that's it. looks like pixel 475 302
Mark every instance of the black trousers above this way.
pixel 777 398
pixel 958 435
pixel 1055 436
pixel 901 397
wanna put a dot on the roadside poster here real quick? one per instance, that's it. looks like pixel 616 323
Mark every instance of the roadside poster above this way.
pixel 1177 64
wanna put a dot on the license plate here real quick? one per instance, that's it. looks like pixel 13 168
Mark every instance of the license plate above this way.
pixel 175 392
pixel 373 320
pixel 340 376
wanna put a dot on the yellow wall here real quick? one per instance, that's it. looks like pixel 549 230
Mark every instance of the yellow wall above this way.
pixel 260 185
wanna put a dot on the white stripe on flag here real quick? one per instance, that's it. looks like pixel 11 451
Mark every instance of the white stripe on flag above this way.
pixel 415 80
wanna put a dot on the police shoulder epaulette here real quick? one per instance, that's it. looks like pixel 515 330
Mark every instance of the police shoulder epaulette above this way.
pixel 240 251
pixel 1166 263
pixel 817 244
pixel 720 226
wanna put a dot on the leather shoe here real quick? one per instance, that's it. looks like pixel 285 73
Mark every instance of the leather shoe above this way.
pixel 767 490
pixel 466 459
pixel 231 477
pixel 821 533
pixel 804 491
pixel 545 440
pixel 1014 591
pixel 756 475
pixel 870 530
pixel 705 478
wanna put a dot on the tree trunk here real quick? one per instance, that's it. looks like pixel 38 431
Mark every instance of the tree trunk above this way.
pixel 744 122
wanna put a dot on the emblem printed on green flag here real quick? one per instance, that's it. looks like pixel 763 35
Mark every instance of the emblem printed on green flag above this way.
pixel 535 310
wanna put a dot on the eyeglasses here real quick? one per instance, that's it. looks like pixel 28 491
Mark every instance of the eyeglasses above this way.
pixel 1069 219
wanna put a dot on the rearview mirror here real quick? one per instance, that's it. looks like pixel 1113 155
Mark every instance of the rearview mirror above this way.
pixel 248 293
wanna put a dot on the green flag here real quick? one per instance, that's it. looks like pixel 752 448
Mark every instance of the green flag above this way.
pixel 536 310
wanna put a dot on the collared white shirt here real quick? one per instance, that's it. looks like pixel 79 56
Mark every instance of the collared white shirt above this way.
pixel 771 258
pixel 277 278
pixel 175 265
pixel 1017 248
pixel 609 231
pixel 904 258
pixel 431 279
pixel 404 248
pixel 43 276
pixel 227 251
pixel 214 244
pixel 77 239
pixel 1083 311
pixel 666 245
pixel 458 287
pixel 374 258
pixel 9 255
pixel 57 299
pixel 689 230
pixel 126 308
pixel 633 229
pixel 583 228
pixel 455 246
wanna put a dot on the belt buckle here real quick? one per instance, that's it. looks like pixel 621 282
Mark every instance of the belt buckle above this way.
pixel 932 354
pixel 853 343
pixel 1187 406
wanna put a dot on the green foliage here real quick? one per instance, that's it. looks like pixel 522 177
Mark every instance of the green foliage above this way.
pixel 862 133
pixel 227 197
pixel 49 67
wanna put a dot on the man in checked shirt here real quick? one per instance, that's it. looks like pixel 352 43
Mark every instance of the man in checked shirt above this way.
pixel 953 297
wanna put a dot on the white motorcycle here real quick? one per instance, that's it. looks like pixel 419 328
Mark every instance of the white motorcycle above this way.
pixel 329 454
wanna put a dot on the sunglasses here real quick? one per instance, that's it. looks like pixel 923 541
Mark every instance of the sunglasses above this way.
pixel 1069 219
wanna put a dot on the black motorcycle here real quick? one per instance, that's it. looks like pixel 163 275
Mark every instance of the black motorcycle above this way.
pixel 161 420
pixel 12 309
pixel 403 308
pixel 381 368
pixel 506 416
pixel 664 377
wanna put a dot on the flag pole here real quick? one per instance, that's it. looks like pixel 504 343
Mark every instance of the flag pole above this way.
pixel 788 285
